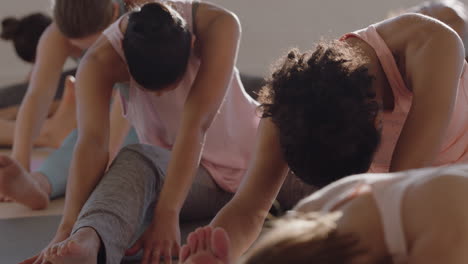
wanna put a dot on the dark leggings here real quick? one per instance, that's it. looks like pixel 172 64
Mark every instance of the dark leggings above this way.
pixel 13 94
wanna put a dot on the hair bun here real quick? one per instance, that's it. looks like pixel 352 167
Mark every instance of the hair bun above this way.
pixel 10 26
pixel 152 18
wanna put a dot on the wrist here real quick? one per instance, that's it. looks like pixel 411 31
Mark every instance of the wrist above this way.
pixel 166 212
pixel 65 228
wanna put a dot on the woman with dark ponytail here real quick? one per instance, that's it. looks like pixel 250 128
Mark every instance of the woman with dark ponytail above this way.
pixel 193 116
pixel 25 33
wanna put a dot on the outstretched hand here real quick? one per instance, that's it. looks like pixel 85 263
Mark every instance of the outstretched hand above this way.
pixel 160 241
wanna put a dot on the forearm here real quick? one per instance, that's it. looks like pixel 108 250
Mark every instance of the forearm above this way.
pixel 242 224
pixel 31 117
pixel 185 159
pixel 87 168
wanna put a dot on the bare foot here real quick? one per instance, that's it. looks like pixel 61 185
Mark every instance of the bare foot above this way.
pixel 18 185
pixel 60 125
pixel 206 246
pixel 81 248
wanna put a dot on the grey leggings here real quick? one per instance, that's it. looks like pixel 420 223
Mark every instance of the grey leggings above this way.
pixel 123 200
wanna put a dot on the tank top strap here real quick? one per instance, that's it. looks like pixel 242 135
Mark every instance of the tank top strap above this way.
pixel 389 65
pixel 389 200
pixel 115 36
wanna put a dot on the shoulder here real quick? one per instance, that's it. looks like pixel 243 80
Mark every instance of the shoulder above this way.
pixel 53 35
pixel 103 56
pixel 437 208
pixel 418 30
pixel 53 43
pixel 207 15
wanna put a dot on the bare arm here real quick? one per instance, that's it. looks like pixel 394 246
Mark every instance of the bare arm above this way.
pixel 452 13
pixel 53 50
pixel 244 215
pixel 98 72
pixel 434 67
pixel 218 39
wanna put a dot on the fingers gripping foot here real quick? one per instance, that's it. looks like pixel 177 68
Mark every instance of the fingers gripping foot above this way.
pixel 80 248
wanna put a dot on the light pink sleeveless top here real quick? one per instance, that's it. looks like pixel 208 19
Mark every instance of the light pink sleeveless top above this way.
pixel 454 148
pixel 388 191
pixel 231 137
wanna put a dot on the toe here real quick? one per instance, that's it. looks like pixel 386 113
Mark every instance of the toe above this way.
pixel 208 233
pixel 201 239
pixel 220 244
pixel 192 242
pixel 184 253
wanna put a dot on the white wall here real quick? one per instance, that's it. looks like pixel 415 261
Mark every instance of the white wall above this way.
pixel 270 27
pixel 11 67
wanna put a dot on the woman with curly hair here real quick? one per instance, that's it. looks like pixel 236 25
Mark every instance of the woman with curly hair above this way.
pixel 390 97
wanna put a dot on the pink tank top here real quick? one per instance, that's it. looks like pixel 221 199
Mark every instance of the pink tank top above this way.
pixel 454 148
pixel 388 191
pixel 230 139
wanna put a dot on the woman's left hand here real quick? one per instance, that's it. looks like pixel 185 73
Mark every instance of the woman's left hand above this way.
pixel 160 241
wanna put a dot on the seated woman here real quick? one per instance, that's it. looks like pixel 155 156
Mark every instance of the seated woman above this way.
pixel 414 217
pixel 193 116
pixel 25 34
pixel 390 97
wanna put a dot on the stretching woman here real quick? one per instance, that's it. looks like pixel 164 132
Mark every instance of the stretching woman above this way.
pixel 187 103
pixel 414 217
pixel 77 24
pixel 403 80
pixel 24 33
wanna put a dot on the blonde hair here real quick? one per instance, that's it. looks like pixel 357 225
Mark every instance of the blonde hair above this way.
pixel 302 238
pixel 81 18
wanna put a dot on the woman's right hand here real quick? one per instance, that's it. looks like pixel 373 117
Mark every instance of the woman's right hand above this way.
pixel 60 236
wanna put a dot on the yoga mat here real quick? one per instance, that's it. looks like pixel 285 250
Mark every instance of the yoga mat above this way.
pixel 14 210
pixel 21 238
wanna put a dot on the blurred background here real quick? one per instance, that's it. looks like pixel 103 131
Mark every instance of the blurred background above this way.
pixel 270 27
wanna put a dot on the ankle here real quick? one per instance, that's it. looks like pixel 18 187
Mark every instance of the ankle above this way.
pixel 43 182
pixel 90 235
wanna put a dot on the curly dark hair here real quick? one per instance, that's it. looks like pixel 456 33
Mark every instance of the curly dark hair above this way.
pixel 324 107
